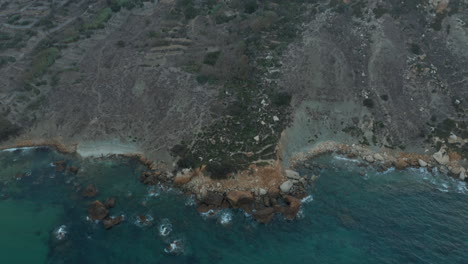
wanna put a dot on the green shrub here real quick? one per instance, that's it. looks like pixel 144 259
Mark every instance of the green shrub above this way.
pixel 120 43
pixel 368 103
pixel 7 129
pixel 98 22
pixel 250 6
pixel 220 170
pixel 43 60
pixel 281 99
pixel 211 58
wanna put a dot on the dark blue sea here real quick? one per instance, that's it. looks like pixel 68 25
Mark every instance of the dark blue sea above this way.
pixel 353 214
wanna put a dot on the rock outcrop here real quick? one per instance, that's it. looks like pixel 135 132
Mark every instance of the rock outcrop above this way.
pixel 240 199
pixel 264 215
pixel 110 202
pixel 441 157
pixel 109 222
pixel 97 211
pixel 89 191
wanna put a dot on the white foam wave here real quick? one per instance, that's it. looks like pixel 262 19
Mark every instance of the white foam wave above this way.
pixel 346 159
pixel 225 218
pixel 165 228
pixel 209 214
pixel 307 199
pixel 175 247
pixel 190 201
pixel 15 149
pixel 61 232
pixel 143 220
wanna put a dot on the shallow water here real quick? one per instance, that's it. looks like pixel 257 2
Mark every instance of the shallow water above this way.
pixel 354 215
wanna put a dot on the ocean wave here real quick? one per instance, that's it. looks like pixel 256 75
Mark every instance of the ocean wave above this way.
pixel 225 217
pixel 143 220
pixel 175 247
pixel 309 198
pixel 440 180
pixel 60 232
pixel 15 149
pixel 209 214
pixel 165 228
pixel 345 159
pixel 190 201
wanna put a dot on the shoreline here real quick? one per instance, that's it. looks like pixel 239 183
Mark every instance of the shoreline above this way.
pixel 264 191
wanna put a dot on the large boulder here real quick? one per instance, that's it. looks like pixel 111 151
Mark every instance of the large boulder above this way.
pixel 240 198
pixel 401 164
pixel 290 174
pixel 97 210
pixel 441 157
pixel 286 186
pixel 422 163
pixel 462 175
pixel 264 215
pixel 212 198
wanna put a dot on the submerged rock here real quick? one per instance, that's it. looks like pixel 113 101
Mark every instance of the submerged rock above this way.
pixel 89 191
pixel 97 211
pixel 110 202
pixel 109 222
pixel 73 169
pixel 59 165
pixel 61 232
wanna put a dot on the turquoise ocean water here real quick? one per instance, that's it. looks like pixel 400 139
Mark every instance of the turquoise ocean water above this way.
pixel 353 215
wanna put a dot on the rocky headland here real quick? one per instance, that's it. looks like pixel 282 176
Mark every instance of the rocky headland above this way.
pixel 224 99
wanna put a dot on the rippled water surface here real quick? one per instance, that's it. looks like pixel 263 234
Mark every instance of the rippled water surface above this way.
pixel 354 215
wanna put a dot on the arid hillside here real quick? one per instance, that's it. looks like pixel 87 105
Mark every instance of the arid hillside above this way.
pixel 218 83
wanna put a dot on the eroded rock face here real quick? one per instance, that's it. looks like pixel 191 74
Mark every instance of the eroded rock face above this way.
pixel 97 210
pixel 150 178
pixel 212 198
pixel 441 157
pixel 183 177
pixel 294 205
pixel 264 215
pixel 240 198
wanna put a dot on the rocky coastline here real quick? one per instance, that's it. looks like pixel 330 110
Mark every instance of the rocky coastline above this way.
pixel 269 190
